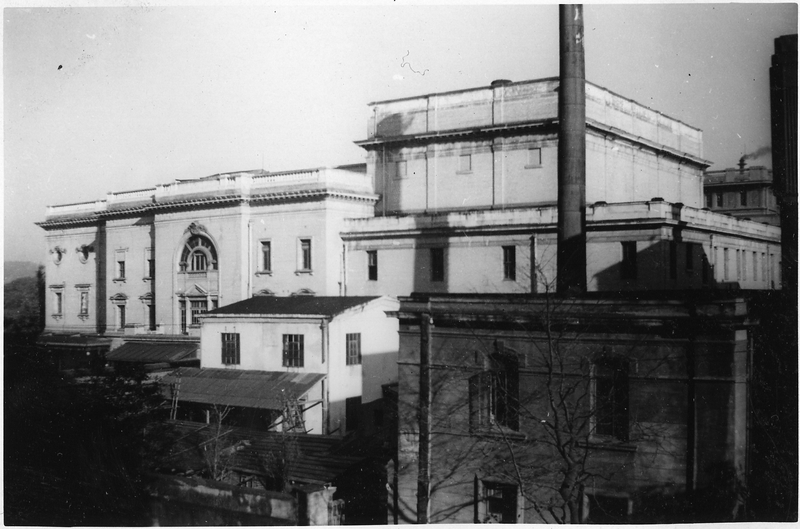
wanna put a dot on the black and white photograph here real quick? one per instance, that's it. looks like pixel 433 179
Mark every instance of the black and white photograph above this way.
pixel 386 262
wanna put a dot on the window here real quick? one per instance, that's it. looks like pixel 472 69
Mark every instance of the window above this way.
pixel 199 255
pixel 183 316
pixel 84 311
pixel 725 263
pixel 763 266
pixel 352 409
pixel 709 200
pixel 120 317
pixel 58 300
pixel 738 266
pixel 755 266
pixel 401 169
pixel 497 503
pixel 689 257
pixel 611 394
pixel 120 269
pixel 199 306
pixel 353 346
pixel 673 260
pixel 705 268
pixel 293 350
pixel 719 200
pixel 150 263
pixel 534 158
pixel 510 262
pixel 305 254
pixel 151 316
pixel 607 509
pixel 465 163
pixel 266 256
pixel 743 198
pixel 494 394
pixel 372 265
pixel 437 264
pixel 230 348
pixel 628 269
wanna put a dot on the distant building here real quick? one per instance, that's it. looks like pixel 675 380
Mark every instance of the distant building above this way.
pixel 745 193
pixel 303 364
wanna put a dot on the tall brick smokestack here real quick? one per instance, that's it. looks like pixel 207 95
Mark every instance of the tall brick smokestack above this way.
pixel 571 260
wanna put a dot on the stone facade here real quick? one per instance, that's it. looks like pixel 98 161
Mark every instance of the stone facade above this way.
pixel 648 397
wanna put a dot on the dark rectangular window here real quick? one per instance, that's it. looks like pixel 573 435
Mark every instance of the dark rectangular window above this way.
pixel 305 254
pixel 151 268
pixel 755 266
pixel 725 264
pixel 59 303
pixel 709 200
pixel 498 504
pixel 628 268
pixel 352 409
pixel 120 269
pixel 266 256
pixel 121 316
pixel 510 262
pixel 437 264
pixel 494 395
pixel 719 200
pixel 673 260
pixel 689 256
pixel 611 398
pixel 199 306
pixel 372 265
pixel 743 198
pixel 230 348
pixel 353 347
pixel 293 350
pixel 151 316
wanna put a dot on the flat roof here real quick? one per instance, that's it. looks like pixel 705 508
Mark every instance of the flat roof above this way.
pixel 300 305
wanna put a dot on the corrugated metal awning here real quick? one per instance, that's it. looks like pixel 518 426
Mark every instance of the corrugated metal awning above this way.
pixel 235 387
pixel 149 352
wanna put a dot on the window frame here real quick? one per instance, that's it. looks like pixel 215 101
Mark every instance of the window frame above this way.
pixel 196 311
pixel 534 160
pixel 629 269
pixel 352 346
pixel 83 309
pixel 198 244
pixel 743 198
pixel 230 348
pixel 464 163
pixel 437 262
pixel 372 265
pixel 720 200
pixel 494 394
pixel 497 502
pixel 611 398
pixel 58 302
pixel 296 356
pixel 305 255
pixel 265 261
pixel 510 263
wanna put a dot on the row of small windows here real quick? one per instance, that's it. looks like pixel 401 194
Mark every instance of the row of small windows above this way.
pixel 717 199
pixel 304 256
pixel 437 264
pixel 293 347
pixel 465 163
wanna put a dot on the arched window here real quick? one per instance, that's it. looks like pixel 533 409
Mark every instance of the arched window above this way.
pixel 198 255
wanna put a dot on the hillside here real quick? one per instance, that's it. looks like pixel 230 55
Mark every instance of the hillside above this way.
pixel 16 269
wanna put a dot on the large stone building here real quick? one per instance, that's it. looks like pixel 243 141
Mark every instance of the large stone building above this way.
pixel 468 185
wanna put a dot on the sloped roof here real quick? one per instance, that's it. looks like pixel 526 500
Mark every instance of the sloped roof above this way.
pixel 315 458
pixel 237 387
pixel 149 352
pixel 302 305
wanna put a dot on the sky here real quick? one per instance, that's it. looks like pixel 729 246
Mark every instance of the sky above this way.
pixel 105 99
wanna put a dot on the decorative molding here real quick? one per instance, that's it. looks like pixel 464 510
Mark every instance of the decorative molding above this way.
pixel 119 298
pixel 195 228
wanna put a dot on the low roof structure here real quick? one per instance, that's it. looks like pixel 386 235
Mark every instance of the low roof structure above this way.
pixel 236 387
pixel 153 352
pixel 292 306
